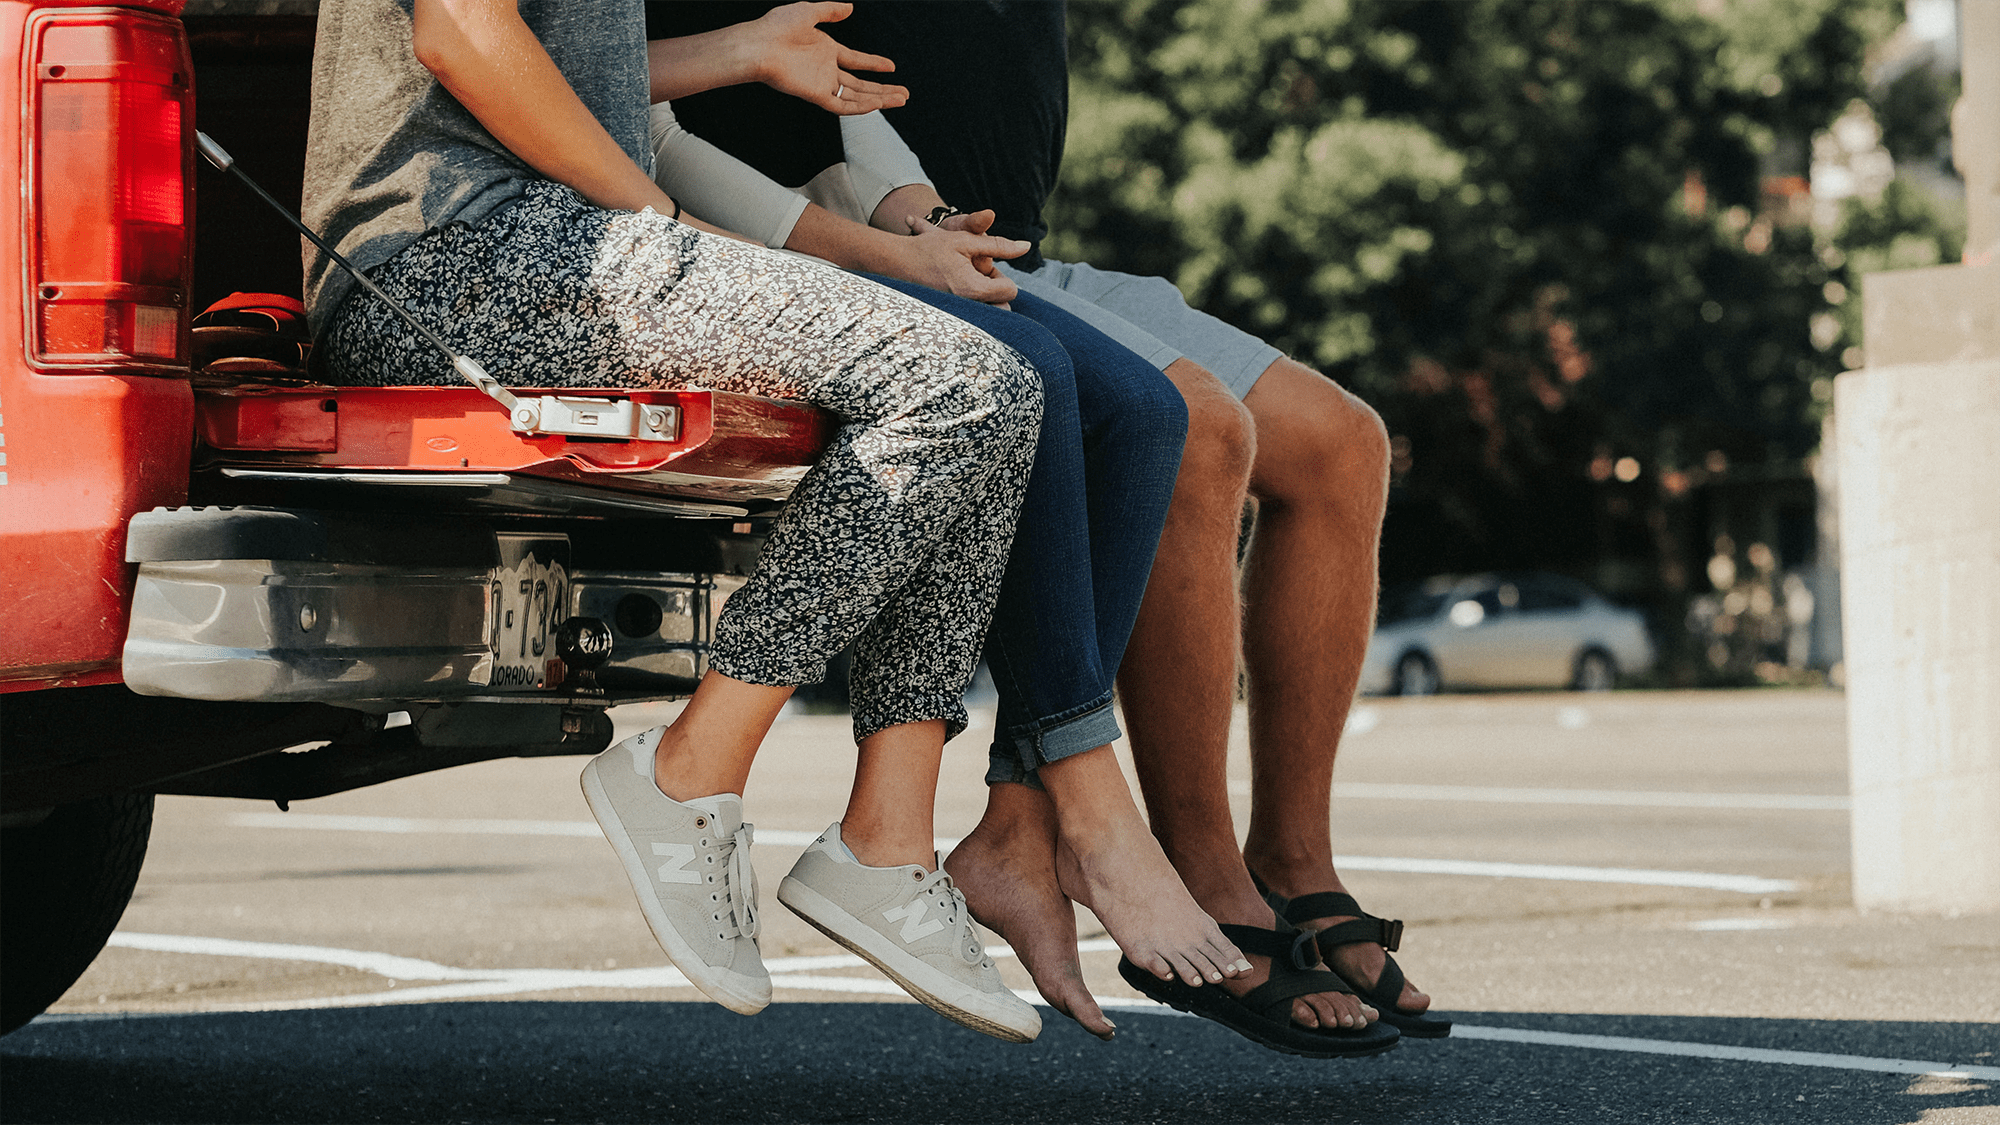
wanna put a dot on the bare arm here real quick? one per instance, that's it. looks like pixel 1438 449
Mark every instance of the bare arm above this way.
pixel 907 204
pixel 717 184
pixel 786 50
pixel 904 211
pixel 489 60
pixel 879 161
pixel 954 261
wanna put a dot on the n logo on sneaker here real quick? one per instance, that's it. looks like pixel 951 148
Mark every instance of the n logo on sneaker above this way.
pixel 678 857
pixel 912 917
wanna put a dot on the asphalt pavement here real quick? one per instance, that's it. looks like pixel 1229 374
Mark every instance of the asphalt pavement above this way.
pixel 1634 904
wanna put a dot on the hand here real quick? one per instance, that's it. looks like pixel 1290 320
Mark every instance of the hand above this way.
pixel 960 261
pixel 799 59
pixel 977 223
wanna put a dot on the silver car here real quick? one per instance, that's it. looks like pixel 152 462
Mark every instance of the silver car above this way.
pixel 1502 630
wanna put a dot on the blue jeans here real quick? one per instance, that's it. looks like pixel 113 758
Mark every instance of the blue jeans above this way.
pixel 1112 431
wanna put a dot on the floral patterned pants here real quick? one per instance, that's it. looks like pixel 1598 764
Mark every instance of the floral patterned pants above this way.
pixel 898 537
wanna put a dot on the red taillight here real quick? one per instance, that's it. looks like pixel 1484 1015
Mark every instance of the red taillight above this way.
pixel 110 122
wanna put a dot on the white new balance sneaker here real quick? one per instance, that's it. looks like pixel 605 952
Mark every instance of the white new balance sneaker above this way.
pixel 914 926
pixel 689 863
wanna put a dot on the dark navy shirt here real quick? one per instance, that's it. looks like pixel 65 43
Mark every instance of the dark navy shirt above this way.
pixel 989 100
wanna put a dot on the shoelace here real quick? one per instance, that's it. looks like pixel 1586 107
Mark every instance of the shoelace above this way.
pixel 741 880
pixel 957 915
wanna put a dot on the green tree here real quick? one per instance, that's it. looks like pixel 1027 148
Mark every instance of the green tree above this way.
pixel 1533 235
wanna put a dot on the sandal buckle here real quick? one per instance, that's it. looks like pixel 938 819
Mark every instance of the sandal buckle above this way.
pixel 1305 949
pixel 1392 933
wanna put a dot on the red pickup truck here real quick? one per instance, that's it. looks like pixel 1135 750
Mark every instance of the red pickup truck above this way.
pixel 224 578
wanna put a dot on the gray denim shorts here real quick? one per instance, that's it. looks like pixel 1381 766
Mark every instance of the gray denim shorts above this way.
pixel 1149 316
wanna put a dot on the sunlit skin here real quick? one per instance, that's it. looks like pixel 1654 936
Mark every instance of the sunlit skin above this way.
pixel 1317 461
pixel 482 52
pixel 710 746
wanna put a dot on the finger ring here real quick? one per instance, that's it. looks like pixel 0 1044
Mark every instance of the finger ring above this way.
pixel 840 91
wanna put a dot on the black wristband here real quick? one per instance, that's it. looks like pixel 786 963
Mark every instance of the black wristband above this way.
pixel 940 213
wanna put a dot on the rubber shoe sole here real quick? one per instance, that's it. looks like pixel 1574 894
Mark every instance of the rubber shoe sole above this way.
pixel 940 993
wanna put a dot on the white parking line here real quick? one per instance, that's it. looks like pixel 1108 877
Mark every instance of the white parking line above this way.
pixel 583 829
pixel 787 972
pixel 1627 798
pixel 1639 876
pixel 1726 925
pixel 1716 1051
pixel 327 822
pixel 794 973
pixel 785 838
pixel 381 964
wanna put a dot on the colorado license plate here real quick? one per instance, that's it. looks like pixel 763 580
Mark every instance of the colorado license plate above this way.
pixel 529 596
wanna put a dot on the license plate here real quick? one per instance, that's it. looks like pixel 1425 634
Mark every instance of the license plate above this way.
pixel 530 599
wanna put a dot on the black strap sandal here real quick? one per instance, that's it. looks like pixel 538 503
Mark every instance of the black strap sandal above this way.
pixel 1385 932
pixel 1264 1014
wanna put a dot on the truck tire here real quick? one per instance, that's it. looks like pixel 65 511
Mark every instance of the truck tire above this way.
pixel 64 884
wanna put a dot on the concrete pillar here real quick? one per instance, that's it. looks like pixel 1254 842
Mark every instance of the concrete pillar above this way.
pixel 1918 442
pixel 1975 126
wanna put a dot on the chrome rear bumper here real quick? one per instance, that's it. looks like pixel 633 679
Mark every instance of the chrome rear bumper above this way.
pixel 475 623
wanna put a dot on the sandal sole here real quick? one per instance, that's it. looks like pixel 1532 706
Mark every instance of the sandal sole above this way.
pixel 1174 996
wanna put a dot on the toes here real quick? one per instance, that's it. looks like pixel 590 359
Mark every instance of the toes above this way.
pixel 1332 1010
pixel 1082 1008
pixel 1218 960
pixel 1225 956
pixel 1413 1000
pixel 1093 1020
pixel 1207 965
pixel 1191 972
pixel 1070 996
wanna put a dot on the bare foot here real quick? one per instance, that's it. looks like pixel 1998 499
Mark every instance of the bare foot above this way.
pixel 1108 860
pixel 1007 870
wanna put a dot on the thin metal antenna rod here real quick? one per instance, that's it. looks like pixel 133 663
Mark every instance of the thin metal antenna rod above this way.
pixel 467 367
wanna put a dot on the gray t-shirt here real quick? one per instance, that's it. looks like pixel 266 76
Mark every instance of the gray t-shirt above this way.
pixel 390 154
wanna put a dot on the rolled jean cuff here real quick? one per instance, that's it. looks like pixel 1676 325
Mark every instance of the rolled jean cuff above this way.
pixel 1017 758
pixel 870 719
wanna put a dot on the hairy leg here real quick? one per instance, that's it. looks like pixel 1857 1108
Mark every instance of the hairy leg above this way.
pixel 1321 478
pixel 1007 869
pixel 1178 682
